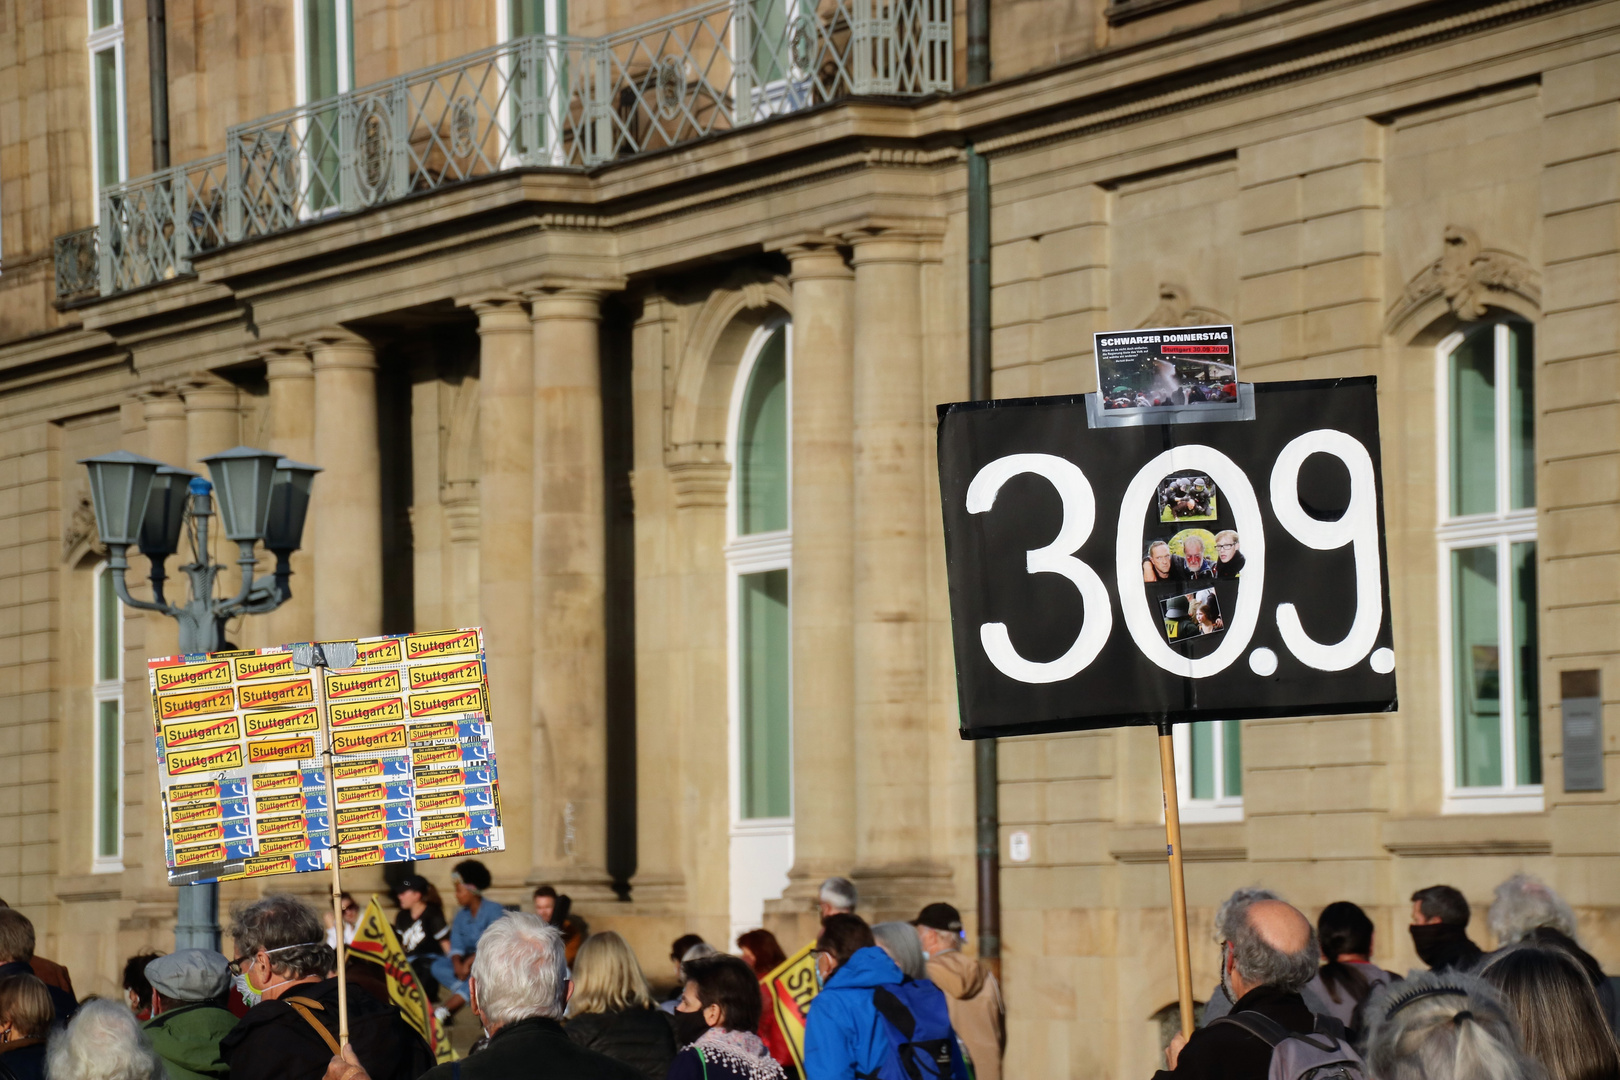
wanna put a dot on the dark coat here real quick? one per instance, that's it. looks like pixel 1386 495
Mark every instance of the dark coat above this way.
pixel 644 1039
pixel 23 1059
pixel 1227 1052
pixel 273 1042
pixel 530 1048
pixel 61 1000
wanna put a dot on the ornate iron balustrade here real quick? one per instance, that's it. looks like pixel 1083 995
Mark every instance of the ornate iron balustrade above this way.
pixel 78 269
pixel 549 101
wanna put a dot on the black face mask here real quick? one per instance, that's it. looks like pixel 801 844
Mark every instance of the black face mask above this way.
pixel 1439 944
pixel 689 1027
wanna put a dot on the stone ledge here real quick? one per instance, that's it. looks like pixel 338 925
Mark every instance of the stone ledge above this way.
pixel 1136 845
pixel 1465 835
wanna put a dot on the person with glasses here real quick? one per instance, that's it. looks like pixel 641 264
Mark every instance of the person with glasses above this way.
pixel 1228 556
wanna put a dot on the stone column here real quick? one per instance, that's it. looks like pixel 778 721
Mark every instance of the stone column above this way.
pixel 890 589
pixel 570 550
pixel 823 577
pixel 167 442
pixel 213 421
pixel 505 543
pixel 345 526
pixel 291 375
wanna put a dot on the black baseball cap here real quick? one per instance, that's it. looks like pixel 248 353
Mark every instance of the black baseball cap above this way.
pixel 412 883
pixel 940 917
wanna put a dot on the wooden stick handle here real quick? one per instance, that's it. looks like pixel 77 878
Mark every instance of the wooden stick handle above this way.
pixel 337 883
pixel 1178 881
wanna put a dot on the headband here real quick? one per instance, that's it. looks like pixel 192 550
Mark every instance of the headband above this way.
pixel 1402 1000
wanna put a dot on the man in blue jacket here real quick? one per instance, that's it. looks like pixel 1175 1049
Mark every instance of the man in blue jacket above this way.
pixel 848 1035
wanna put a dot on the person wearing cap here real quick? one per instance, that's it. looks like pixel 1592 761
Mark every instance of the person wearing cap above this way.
pixel 421 929
pixel 471 878
pixel 188 1014
pixel 972 993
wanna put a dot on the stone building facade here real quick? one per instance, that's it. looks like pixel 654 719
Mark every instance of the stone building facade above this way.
pixel 658 415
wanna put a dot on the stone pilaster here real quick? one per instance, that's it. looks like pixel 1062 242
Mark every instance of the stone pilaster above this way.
pixel 291 375
pixel 213 418
pixel 889 605
pixel 570 573
pixel 505 543
pixel 166 441
pixel 346 507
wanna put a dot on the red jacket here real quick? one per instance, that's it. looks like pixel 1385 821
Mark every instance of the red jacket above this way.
pixel 770 1033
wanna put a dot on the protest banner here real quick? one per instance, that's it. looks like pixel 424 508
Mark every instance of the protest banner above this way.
pixel 793 985
pixel 1116 571
pixel 242 740
pixel 376 943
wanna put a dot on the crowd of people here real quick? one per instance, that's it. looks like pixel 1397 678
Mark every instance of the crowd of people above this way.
pixel 552 999
pixel 895 1001
pixel 1300 1000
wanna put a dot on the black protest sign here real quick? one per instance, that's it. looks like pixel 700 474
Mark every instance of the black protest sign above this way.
pixel 1127 575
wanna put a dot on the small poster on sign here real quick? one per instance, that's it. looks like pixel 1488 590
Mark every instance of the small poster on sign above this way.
pixel 242 740
pixel 1167 367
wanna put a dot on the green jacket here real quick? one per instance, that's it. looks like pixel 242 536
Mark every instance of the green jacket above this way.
pixel 187 1039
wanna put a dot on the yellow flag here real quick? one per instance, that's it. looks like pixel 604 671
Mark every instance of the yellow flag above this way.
pixel 793 985
pixel 375 942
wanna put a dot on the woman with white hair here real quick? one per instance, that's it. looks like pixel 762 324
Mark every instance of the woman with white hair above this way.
pixel 1525 910
pixel 102 1042
pixel 1443 1026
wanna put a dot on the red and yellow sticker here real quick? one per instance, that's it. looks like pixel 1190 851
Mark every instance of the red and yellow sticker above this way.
pixel 198 856
pixel 434 846
pixel 265 666
pixel 356 770
pixel 368 740
pixel 359 793
pixel 282 721
pixel 198 732
pixel 197 834
pixel 362 815
pixel 439 823
pixel 266 695
pixel 434 731
pixel 433 676
pixel 201 703
pixel 193 676
pixel 353 684
pixel 364 834
pixel 441 702
pixel 280 826
pixel 206 759
pixel 189 813
pixel 271 781
pixel 383 711
pixel 438 777
pixel 440 800
pixel 281 845
pixel 279 804
pixel 372 653
pixel 263 751
pixel 450 643
pixel 363 857
pixel 180 793
pixel 265 865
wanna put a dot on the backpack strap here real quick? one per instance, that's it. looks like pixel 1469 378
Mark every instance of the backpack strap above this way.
pixel 1257 1024
pixel 1331 1026
pixel 894 1011
pixel 302 1006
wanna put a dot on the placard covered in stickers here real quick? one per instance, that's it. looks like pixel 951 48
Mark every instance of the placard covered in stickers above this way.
pixel 1103 576
pixel 242 738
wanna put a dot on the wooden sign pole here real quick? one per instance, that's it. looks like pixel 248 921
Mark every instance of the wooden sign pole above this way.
pixel 1178 881
pixel 337 883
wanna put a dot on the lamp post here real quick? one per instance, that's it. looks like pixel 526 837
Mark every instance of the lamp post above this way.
pixel 262 496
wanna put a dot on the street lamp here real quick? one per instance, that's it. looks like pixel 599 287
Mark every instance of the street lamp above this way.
pixel 141 501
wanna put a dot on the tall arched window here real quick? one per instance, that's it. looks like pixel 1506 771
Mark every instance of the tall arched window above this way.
pixel 759 557
pixel 1487 542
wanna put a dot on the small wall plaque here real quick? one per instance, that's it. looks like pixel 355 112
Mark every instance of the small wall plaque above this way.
pixel 1583 730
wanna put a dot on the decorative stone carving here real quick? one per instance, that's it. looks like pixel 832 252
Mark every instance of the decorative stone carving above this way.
pixel 81 529
pixel 1466 275
pixel 671 87
pixel 1176 309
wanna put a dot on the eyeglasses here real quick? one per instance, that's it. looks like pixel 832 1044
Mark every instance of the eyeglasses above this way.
pixel 236 966
pixel 1231 546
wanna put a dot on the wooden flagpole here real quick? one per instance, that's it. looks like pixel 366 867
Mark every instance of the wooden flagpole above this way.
pixel 1178 881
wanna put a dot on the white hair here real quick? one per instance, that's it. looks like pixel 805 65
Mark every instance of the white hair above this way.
pixel 1524 903
pixel 521 970
pixel 103 1042
pixel 1443 1026
pixel 1224 929
pixel 839 894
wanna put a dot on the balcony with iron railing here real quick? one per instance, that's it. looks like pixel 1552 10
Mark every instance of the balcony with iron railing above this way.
pixel 534 102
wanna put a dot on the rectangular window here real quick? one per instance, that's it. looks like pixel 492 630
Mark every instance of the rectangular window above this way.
pixel 326 69
pixel 763 662
pixel 1209 770
pixel 108 123
pixel 1487 537
pixel 107 729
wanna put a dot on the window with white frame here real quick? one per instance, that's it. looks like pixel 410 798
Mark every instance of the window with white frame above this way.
pixel 759 562
pixel 1209 770
pixel 324 32
pixel 107 845
pixel 521 18
pixel 1487 554
pixel 109 135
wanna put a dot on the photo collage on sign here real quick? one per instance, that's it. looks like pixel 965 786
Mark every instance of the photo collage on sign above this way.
pixel 241 746
pixel 1192 563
